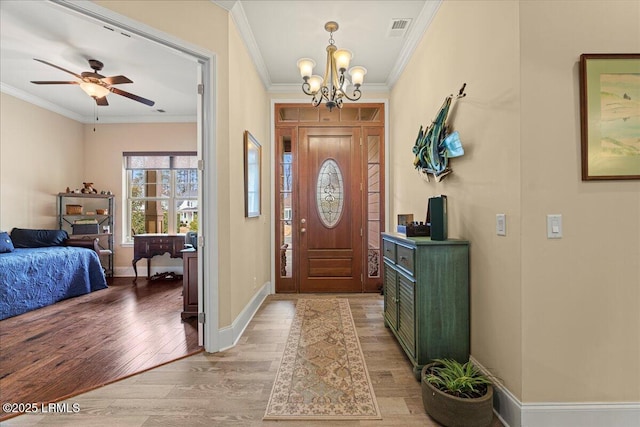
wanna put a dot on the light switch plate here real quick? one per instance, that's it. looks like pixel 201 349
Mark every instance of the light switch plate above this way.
pixel 501 224
pixel 554 226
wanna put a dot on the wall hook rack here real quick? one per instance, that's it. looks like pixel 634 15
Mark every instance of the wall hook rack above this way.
pixel 461 94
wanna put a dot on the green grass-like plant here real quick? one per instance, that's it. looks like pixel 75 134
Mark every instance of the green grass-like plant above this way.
pixel 460 380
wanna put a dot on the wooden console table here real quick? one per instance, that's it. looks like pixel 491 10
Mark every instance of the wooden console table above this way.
pixel 149 245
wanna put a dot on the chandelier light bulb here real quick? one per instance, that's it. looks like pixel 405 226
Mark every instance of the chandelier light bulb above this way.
pixel 342 57
pixel 306 66
pixel 357 75
pixel 315 82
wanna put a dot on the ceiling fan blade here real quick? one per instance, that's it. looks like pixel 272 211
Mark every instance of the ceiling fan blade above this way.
pixel 132 96
pixel 102 101
pixel 116 80
pixel 59 68
pixel 53 82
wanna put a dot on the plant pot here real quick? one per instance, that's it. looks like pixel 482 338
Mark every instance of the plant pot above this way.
pixel 452 411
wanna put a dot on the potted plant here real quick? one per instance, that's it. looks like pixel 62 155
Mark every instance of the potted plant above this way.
pixel 457 395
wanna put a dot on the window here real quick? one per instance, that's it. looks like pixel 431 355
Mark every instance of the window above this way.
pixel 162 193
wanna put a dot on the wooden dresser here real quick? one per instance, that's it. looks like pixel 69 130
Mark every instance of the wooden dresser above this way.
pixel 190 284
pixel 426 297
pixel 149 245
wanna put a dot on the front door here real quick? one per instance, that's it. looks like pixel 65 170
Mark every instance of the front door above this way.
pixel 329 192
pixel 330 209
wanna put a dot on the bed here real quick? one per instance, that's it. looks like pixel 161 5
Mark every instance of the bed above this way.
pixel 42 269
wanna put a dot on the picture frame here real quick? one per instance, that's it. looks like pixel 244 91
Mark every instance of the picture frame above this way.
pixel 610 116
pixel 252 176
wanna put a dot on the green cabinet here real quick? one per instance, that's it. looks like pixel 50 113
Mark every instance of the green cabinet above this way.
pixel 426 297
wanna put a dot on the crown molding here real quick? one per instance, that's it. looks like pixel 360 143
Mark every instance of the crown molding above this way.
pixel 242 24
pixel 228 5
pixel 416 32
pixel 24 96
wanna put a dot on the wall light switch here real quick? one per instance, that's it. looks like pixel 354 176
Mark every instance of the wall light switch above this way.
pixel 554 226
pixel 501 224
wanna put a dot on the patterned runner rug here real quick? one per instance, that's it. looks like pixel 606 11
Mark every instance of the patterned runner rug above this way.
pixel 322 375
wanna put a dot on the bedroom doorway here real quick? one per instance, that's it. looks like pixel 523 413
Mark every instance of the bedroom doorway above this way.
pixel 329 191
pixel 207 197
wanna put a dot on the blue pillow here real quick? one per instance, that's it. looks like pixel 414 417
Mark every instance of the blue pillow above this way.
pixel 5 243
pixel 26 238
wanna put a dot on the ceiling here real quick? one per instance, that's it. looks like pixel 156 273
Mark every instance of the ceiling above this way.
pixel 61 35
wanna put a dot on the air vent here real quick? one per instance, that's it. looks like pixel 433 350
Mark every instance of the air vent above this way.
pixel 398 27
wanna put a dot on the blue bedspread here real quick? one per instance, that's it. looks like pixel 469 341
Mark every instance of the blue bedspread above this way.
pixel 36 277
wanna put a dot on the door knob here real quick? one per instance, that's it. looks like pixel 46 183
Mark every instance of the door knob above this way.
pixel 303 230
pixel 303 221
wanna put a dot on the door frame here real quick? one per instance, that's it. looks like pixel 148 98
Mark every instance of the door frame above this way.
pixel 272 165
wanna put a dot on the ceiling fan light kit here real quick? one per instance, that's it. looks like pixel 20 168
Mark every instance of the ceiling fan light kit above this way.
pixel 94 90
pixel 332 88
pixel 94 84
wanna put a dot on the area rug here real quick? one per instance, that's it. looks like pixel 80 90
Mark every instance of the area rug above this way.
pixel 322 375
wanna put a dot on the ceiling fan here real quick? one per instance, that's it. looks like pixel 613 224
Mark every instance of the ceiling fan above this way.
pixel 94 84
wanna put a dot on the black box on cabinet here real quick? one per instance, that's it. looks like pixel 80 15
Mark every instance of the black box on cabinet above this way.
pixel 437 217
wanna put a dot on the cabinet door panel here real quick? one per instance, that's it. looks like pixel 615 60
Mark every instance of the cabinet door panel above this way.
pixel 407 322
pixel 390 296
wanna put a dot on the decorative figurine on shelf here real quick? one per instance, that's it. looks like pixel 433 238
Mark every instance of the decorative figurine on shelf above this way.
pixel 88 188
pixel 435 145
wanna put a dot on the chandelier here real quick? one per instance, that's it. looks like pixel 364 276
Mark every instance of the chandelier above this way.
pixel 333 86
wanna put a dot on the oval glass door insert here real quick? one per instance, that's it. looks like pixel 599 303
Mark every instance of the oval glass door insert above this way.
pixel 330 193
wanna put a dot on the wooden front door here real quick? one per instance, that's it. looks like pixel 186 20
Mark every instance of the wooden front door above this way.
pixel 330 209
pixel 329 197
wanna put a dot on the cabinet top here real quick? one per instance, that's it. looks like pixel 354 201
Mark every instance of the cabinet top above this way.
pixel 423 240
pixel 87 195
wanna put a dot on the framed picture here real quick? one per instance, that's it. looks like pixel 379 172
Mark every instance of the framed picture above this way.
pixel 610 116
pixel 252 175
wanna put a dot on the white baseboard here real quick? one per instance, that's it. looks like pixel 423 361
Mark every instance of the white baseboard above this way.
pixel 514 413
pixel 505 405
pixel 581 414
pixel 228 336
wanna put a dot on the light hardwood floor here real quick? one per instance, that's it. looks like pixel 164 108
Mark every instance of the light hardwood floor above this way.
pixel 232 387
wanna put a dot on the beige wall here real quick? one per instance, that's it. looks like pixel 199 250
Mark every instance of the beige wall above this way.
pixel 41 154
pixel 544 312
pixel 103 150
pixel 580 294
pixel 474 43
pixel 249 252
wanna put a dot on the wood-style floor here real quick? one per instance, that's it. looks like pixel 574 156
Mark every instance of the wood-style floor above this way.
pixel 85 342
pixel 232 387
